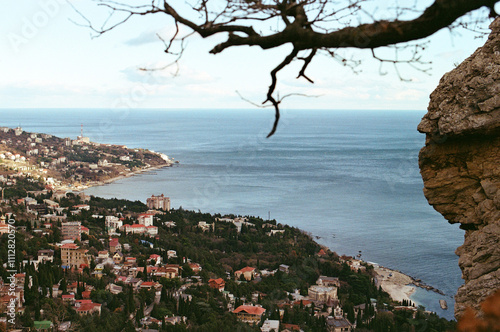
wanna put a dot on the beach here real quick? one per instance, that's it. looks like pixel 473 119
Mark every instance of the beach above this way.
pixel 398 285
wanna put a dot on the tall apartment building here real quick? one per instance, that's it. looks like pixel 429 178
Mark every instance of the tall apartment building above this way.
pixel 74 257
pixel 160 202
pixel 71 230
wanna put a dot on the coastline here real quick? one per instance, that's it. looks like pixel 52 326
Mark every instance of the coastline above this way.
pixel 397 284
pixel 81 187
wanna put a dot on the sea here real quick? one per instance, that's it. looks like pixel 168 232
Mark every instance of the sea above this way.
pixel 348 177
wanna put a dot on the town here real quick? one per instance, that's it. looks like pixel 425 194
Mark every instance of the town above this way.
pixel 74 262
pixel 64 163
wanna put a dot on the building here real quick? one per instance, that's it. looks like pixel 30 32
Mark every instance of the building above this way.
pixel 322 293
pixel 218 284
pixel 112 224
pixel 270 325
pixel 45 255
pixel 206 227
pixel 247 272
pixel 338 325
pixel 249 313
pixel 160 202
pixel 114 245
pixel 72 230
pixel 145 219
pixel 74 257
pixel 328 281
pixel 86 307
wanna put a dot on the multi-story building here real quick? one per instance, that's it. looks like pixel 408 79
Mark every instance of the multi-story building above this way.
pixel 145 219
pixel 74 257
pixel 112 224
pixel 249 314
pixel 72 230
pixel 160 202
pixel 322 293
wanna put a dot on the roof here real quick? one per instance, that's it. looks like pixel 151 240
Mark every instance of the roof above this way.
pixel 218 281
pixel 246 269
pixel 43 324
pixel 154 256
pixel 342 322
pixel 69 246
pixel 249 309
pixel 69 296
pixel 147 284
pixel 88 306
pixel 134 226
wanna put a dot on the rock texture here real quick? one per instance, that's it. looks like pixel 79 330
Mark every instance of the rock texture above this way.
pixel 460 165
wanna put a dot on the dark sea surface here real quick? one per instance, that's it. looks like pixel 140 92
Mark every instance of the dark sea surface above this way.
pixel 350 178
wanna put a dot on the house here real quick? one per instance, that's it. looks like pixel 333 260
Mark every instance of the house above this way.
pixel 218 284
pixel 270 325
pixel 103 254
pixel 247 272
pixel 322 253
pixel 171 254
pixel 85 230
pixel 83 307
pixel 249 313
pixel 114 245
pixel 156 258
pixel 334 324
pixel 118 257
pixel 46 255
pixel 74 257
pixel 195 267
pixel 328 281
pixel 169 271
pixel 322 293
pixel 69 298
pixel 205 227
pixel 284 268
pixel 114 289
pixel 145 219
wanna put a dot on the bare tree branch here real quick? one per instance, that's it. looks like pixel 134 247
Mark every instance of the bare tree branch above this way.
pixel 307 25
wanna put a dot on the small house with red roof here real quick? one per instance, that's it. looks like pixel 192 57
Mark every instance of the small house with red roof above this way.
pixel 156 258
pixel 247 272
pixel 218 284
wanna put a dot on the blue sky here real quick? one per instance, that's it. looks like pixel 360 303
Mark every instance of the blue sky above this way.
pixel 50 62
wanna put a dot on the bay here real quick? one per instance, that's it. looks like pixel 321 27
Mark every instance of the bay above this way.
pixel 350 178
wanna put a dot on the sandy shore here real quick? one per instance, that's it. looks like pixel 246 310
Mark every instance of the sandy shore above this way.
pixel 398 285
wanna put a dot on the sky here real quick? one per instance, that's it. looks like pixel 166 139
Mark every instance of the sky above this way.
pixel 49 61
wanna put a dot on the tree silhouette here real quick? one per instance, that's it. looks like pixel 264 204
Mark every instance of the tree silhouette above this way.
pixel 311 27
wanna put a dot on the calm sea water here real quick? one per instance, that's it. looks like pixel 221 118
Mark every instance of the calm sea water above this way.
pixel 349 177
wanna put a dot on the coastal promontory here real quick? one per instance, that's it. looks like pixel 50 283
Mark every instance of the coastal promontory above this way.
pixel 64 163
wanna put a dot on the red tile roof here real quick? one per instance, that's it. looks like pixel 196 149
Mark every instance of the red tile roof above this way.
pixel 246 269
pixel 249 309
pixel 69 246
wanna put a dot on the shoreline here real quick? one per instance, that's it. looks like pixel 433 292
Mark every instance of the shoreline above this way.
pixel 82 187
pixel 398 285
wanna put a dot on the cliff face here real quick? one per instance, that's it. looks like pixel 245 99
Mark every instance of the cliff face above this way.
pixel 460 165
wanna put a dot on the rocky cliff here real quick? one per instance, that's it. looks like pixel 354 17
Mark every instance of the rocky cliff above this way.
pixel 460 165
